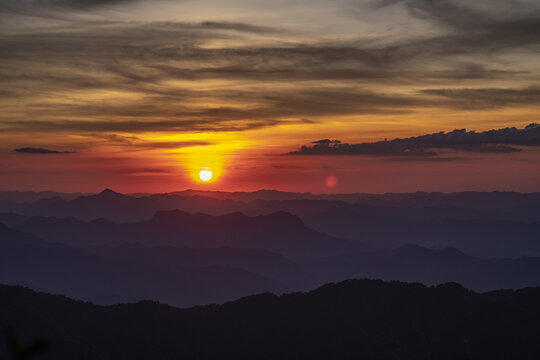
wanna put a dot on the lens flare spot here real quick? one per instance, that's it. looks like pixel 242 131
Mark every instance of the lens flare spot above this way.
pixel 331 181
pixel 205 175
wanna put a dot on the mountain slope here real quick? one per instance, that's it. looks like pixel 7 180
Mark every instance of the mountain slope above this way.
pixel 406 263
pixel 26 260
pixel 431 267
pixel 357 319
pixel 205 241
pixel 277 232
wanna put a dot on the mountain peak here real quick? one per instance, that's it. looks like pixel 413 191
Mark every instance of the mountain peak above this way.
pixel 109 193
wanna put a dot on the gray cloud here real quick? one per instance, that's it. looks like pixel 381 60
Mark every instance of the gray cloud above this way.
pixel 486 98
pixel 160 111
pixel 115 138
pixel 137 143
pixel 142 53
pixel 273 108
pixel 54 8
pixel 241 27
pixel 169 144
pixel 492 141
pixel 132 126
pixel 31 150
pixel 474 30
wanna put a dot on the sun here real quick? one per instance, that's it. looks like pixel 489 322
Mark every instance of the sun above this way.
pixel 205 175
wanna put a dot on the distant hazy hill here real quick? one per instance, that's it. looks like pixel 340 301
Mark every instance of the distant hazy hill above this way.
pixel 117 207
pixel 496 224
pixel 279 232
pixel 351 320
pixel 197 275
pixel 406 263
pixel 26 260
pixel 32 196
pixel 431 267
pixel 482 201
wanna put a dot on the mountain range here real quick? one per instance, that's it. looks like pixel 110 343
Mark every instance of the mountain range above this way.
pixel 107 273
pixel 130 262
pixel 485 225
pixel 59 269
pixel 360 319
pixel 279 232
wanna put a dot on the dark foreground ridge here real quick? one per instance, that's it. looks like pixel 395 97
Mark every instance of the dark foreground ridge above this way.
pixel 355 319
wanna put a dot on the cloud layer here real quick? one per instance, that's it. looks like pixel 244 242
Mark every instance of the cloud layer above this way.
pixel 492 141
pixel 102 73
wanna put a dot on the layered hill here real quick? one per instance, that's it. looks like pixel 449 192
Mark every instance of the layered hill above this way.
pixel 494 224
pixel 57 268
pixel 356 319
pixel 278 232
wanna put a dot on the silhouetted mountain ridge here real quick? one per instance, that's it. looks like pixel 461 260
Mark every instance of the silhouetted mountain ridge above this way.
pixel 353 319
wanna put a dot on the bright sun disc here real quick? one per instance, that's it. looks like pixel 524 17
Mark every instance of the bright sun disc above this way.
pixel 205 175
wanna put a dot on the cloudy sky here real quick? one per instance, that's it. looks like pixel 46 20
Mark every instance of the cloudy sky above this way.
pixel 141 95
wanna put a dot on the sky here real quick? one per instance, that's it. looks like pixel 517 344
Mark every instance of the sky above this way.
pixel 140 96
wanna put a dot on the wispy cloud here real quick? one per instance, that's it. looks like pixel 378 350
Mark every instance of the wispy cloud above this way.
pixel 133 76
pixel 135 126
pixel 486 98
pixel 44 8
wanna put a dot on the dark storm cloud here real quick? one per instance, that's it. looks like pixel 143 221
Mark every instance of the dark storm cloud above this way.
pixel 31 150
pixel 492 141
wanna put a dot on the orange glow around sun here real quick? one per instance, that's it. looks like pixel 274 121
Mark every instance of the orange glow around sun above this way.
pixel 205 163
